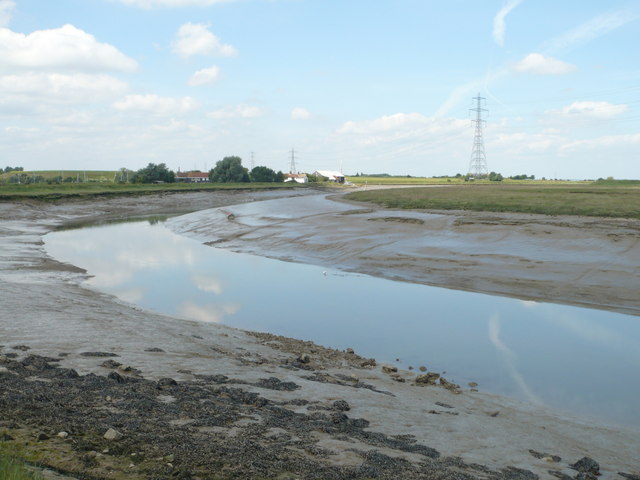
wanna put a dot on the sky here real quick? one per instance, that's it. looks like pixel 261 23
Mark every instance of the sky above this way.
pixel 371 86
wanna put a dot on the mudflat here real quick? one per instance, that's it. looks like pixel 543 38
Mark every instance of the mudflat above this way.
pixel 181 399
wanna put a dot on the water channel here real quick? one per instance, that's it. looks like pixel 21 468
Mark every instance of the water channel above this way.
pixel 575 359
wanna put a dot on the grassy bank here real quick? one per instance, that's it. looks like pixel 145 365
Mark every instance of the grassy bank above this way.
pixel 588 200
pixel 43 191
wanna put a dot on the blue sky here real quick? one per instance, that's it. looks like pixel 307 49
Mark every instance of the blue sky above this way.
pixel 364 86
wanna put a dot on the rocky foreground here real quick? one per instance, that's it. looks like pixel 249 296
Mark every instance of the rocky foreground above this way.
pixel 120 425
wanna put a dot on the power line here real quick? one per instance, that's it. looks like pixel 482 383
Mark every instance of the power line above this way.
pixel 292 165
pixel 478 165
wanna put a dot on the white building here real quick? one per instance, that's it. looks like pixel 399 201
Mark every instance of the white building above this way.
pixel 332 175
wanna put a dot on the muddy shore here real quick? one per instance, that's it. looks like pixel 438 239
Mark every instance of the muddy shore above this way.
pixel 194 400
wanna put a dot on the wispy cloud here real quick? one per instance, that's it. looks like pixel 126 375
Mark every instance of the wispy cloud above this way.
pixel 592 29
pixel 499 25
pixel 237 111
pixel 510 359
pixel 171 3
pixel 580 35
pixel 6 11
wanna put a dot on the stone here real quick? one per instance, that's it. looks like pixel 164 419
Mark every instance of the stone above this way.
pixel 350 351
pixel 341 406
pixel 154 349
pixel 5 437
pixel 389 369
pixel 629 476
pixel 110 364
pixel 422 368
pixel 98 354
pixel 472 384
pixel 116 377
pixel 449 385
pixel 427 378
pixel 370 362
pixel 396 377
pixel 165 382
pixel 587 465
pixel 63 434
pixel 304 358
pixel 42 436
pixel 112 435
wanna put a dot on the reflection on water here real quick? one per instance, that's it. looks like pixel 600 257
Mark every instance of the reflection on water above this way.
pixel 577 359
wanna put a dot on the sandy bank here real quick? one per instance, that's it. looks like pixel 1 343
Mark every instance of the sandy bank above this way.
pixel 593 262
pixel 262 428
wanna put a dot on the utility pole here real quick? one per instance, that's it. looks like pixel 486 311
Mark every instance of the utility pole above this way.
pixel 292 166
pixel 478 165
pixel 253 163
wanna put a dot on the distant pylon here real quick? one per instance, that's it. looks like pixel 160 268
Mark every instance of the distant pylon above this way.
pixel 292 166
pixel 478 165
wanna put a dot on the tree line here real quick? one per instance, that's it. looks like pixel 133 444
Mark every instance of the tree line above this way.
pixel 227 170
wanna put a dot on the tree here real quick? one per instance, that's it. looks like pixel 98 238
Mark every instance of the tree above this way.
pixel 263 174
pixel 229 170
pixel 154 173
pixel 495 177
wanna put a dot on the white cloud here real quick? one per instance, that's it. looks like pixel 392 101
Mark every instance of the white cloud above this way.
pixel 206 76
pixel 207 284
pixel 196 39
pixel 593 110
pixel 66 47
pixel 155 104
pixel 499 23
pixel 33 90
pixel 300 113
pixel 171 3
pixel 6 11
pixel 538 64
pixel 209 313
pixel 237 111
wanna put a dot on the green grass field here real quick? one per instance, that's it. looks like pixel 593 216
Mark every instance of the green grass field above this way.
pixel 79 176
pixel 361 181
pixel 620 200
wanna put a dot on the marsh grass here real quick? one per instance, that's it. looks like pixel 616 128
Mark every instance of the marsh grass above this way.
pixel 585 200
pixel 44 191
pixel 12 468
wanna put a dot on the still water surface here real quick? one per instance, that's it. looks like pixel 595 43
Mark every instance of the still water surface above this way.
pixel 576 359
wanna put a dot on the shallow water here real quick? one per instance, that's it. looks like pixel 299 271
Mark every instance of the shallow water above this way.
pixel 580 360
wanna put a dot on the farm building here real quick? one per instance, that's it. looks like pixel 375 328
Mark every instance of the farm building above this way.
pixel 296 177
pixel 192 177
pixel 332 175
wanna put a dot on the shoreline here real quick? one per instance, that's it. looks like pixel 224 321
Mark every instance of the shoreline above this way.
pixel 64 318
